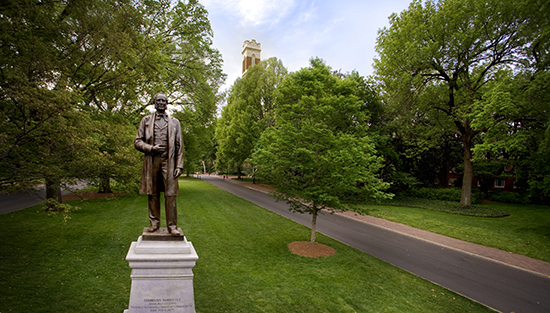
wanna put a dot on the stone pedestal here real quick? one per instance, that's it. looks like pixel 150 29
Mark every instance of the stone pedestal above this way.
pixel 162 274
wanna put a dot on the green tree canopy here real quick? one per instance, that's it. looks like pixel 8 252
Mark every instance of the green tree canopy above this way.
pixel 318 152
pixel 77 76
pixel 249 111
pixel 515 113
pixel 436 58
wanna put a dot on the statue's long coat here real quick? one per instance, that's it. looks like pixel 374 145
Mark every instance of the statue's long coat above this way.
pixel 144 143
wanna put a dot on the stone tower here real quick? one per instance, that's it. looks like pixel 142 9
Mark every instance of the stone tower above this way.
pixel 251 54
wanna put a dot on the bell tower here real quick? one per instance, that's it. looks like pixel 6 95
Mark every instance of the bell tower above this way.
pixel 251 54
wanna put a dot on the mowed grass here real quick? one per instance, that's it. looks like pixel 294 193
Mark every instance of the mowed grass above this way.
pixel 525 231
pixel 244 264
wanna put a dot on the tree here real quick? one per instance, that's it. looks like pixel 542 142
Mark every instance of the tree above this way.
pixel 208 161
pixel 249 111
pixel 173 55
pixel 191 73
pixel 516 116
pixel 111 153
pixel 77 76
pixel 439 56
pixel 318 152
pixel 42 129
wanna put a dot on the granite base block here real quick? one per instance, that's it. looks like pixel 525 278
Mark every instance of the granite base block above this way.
pixel 162 276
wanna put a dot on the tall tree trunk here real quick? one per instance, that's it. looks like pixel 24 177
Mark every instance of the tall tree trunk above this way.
pixel 239 172
pixel 313 226
pixel 53 189
pixel 466 196
pixel 105 184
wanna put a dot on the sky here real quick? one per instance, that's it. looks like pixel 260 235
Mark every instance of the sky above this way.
pixel 341 32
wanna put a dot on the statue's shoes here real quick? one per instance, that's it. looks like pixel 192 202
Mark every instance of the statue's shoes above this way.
pixel 152 229
pixel 175 232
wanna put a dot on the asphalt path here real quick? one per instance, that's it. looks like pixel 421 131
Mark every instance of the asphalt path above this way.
pixel 20 200
pixel 24 199
pixel 496 285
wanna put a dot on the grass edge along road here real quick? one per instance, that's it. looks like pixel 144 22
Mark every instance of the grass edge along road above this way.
pixel 526 231
pixel 244 265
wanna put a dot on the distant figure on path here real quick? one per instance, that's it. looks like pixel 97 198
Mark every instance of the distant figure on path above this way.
pixel 159 137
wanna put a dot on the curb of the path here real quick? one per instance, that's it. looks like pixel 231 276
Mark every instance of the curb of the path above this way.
pixel 521 262
pixel 508 258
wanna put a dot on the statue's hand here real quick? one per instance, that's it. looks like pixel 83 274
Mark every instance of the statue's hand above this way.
pixel 177 172
pixel 158 149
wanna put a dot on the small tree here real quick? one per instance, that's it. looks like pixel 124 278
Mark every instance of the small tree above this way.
pixel 248 112
pixel 317 154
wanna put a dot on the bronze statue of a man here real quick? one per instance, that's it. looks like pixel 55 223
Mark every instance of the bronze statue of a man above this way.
pixel 159 137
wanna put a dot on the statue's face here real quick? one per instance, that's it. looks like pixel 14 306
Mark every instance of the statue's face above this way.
pixel 161 102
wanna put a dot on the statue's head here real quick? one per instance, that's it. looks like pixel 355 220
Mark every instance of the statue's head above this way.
pixel 161 102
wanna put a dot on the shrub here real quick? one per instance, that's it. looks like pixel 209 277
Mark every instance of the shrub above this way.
pixel 54 208
pixel 451 207
pixel 507 197
pixel 444 194
pixel 401 181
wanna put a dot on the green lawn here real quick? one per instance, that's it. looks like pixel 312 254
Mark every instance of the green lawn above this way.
pixel 526 231
pixel 244 265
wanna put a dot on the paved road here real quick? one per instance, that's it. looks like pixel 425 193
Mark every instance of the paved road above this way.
pixel 24 199
pixel 501 287
pixel 21 200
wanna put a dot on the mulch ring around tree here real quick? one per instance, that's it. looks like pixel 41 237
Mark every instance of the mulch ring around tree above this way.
pixel 306 248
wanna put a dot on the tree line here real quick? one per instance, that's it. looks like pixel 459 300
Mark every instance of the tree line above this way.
pixel 458 85
pixel 77 76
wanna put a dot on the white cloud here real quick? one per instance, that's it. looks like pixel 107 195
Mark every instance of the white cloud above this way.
pixel 307 13
pixel 343 33
pixel 254 12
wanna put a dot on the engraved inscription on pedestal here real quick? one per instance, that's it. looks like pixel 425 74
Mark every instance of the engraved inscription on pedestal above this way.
pixel 163 305
pixel 162 275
